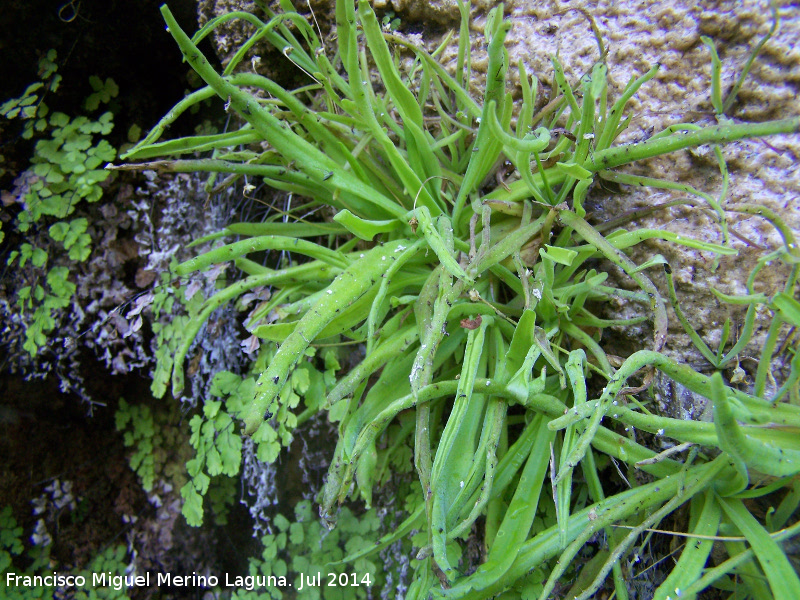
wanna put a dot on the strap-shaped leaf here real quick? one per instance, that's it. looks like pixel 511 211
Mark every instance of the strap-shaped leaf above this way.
pixel 520 514
pixel 457 445
pixel 762 456
pixel 348 287
pixel 305 155
pixel 782 577
pixel 695 553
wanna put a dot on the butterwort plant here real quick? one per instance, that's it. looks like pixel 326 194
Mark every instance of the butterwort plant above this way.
pixel 479 308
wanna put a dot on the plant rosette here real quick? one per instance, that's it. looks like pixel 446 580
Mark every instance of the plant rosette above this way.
pixel 477 305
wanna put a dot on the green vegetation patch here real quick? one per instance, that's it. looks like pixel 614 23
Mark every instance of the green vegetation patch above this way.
pixel 480 313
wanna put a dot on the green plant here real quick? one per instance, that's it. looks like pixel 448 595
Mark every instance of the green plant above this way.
pixel 218 451
pixel 168 335
pixel 10 538
pixel 110 564
pixel 478 309
pixel 218 443
pixel 42 577
pixel 140 431
pixel 28 104
pixel 11 546
pixel 310 557
pixel 159 446
pixel 64 170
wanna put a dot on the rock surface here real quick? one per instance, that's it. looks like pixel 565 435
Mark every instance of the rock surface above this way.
pixel 638 35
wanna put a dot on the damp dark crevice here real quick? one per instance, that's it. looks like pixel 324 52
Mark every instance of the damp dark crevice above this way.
pixel 126 41
pixel 47 434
